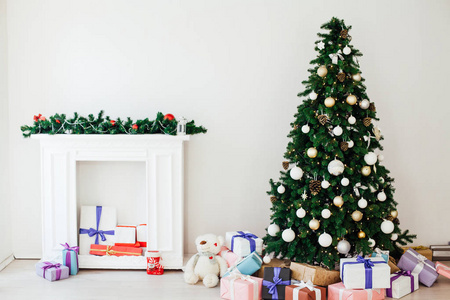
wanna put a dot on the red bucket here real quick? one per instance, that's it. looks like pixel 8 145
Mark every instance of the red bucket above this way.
pixel 154 265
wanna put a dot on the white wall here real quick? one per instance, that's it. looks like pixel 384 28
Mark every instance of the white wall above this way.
pixel 5 220
pixel 235 67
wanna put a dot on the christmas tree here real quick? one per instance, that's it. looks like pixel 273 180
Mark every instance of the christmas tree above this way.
pixel 334 198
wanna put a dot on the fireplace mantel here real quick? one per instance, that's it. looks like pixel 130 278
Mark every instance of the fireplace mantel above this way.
pixel 163 156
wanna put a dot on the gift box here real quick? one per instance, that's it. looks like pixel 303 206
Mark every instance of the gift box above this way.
pixel 141 235
pixel 243 243
pixel 275 282
pixel 402 284
pixel 229 256
pixel 440 252
pixel 97 225
pixel 392 264
pixel 442 269
pixel 417 263
pixel 52 271
pixel 70 258
pixel 338 291
pixel 360 273
pixel 381 253
pixel 248 265
pixel 317 275
pixel 114 250
pixel 240 287
pixel 305 291
pixel 422 250
pixel 275 262
pixel 125 236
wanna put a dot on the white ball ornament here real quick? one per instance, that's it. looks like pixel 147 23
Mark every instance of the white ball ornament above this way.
pixel 312 152
pixel 329 102
pixel 314 224
pixel 288 235
pixel 362 203
pixel 325 240
pixel 338 201
pixel 351 144
pixel 356 77
pixel 343 247
pixel 326 213
pixel 351 120
pixel 364 104
pixel 281 189
pixel 345 181
pixel 273 229
pixel 338 130
pixel 371 243
pixel 351 99
pixel 267 259
pixel 347 50
pixel 325 184
pixel 394 237
pixel 381 196
pixel 301 213
pixel 336 167
pixel 322 71
pixel 305 128
pixel 387 226
pixel 370 158
pixel 380 157
pixel 296 173
pixel 313 96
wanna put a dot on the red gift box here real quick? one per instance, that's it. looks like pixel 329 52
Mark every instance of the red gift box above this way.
pixel 114 250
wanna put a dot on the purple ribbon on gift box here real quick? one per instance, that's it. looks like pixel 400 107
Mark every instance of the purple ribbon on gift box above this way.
pixel 68 258
pixel 91 231
pixel 272 286
pixel 248 236
pixel 368 264
pixel 49 266
pixel 398 274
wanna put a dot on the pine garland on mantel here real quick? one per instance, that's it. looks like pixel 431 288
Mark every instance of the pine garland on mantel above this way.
pixel 60 124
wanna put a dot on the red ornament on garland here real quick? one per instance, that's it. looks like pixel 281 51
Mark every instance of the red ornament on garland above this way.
pixel 58 121
pixel 169 117
pixel 113 122
pixel 135 127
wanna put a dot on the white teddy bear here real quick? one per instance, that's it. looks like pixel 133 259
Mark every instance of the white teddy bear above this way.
pixel 206 265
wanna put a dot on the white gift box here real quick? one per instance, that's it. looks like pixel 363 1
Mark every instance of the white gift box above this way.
pixel 241 245
pixel 125 234
pixel 353 273
pixel 402 286
pixel 142 234
pixel 88 221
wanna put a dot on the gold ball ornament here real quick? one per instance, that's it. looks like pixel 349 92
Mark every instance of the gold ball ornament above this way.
pixel 361 234
pixel 394 214
pixel 357 77
pixel 322 71
pixel 338 201
pixel 314 224
pixel 312 152
pixel 366 170
pixel 329 102
pixel 357 216
pixel 351 99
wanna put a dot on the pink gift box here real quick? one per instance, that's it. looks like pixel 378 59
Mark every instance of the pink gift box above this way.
pixel 442 269
pixel 243 287
pixel 229 256
pixel 338 291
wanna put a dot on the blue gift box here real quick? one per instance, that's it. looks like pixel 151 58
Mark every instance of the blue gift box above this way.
pixel 249 265
pixel 70 258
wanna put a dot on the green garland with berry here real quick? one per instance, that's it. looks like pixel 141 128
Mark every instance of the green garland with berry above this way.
pixel 60 124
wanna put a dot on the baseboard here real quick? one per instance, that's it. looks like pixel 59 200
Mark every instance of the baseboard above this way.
pixel 6 262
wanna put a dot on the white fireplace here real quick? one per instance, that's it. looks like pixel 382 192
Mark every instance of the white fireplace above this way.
pixel 163 205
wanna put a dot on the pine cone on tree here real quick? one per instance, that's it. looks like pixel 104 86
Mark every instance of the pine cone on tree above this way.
pixel 273 199
pixel 372 107
pixel 344 146
pixel 315 186
pixel 285 165
pixel 341 76
pixel 367 121
pixel 322 119
pixel 344 33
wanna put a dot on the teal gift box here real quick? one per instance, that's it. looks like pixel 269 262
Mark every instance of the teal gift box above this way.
pixel 247 266
pixel 70 258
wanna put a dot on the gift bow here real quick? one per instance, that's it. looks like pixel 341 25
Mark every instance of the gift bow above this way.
pixel 380 252
pixel 335 56
pixel 272 286
pixel 397 275
pixel 357 187
pixel 67 247
pixel 235 275
pixel 49 265
pixel 309 285
pixel 91 231
pixel 248 236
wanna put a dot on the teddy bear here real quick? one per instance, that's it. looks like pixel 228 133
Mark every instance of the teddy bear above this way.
pixel 206 265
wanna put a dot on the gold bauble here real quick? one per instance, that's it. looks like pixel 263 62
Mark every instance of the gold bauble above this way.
pixel 312 152
pixel 338 201
pixel 351 99
pixel 366 170
pixel 314 224
pixel 329 102
pixel 361 234
pixel 357 216
pixel 394 214
pixel 322 71
pixel 356 77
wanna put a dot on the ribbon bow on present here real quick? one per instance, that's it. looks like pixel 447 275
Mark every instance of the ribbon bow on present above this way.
pixel 49 265
pixel 398 274
pixel 248 236
pixel 336 56
pixel 91 231
pixel 309 285
pixel 272 286
pixel 380 252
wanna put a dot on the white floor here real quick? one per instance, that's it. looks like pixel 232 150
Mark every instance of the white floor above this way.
pixel 19 281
